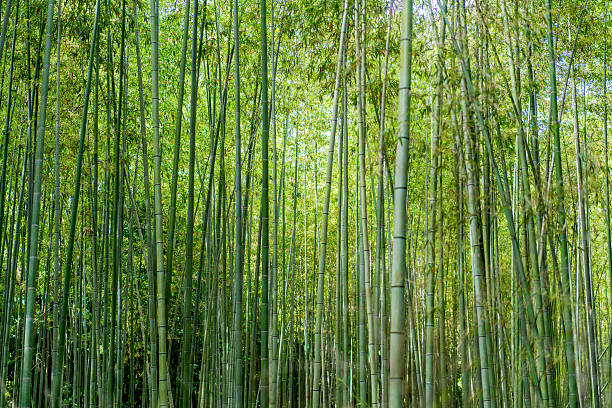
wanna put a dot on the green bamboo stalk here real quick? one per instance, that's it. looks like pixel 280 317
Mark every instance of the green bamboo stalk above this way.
pixel 149 258
pixel 237 393
pixel 9 280
pixel 265 244
pixel 25 393
pixel 380 227
pixel 607 202
pixel 338 351
pixel 430 244
pixel 273 281
pixel 55 370
pixel 164 387
pixel 397 353
pixel 187 379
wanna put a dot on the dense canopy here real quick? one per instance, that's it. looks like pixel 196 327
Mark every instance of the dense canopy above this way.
pixel 292 203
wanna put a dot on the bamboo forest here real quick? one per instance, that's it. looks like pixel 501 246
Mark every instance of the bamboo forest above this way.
pixel 305 203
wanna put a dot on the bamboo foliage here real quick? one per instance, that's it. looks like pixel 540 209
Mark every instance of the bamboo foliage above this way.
pixel 403 212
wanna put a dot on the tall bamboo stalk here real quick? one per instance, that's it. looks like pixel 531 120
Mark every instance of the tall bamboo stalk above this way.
pixel 25 392
pixel 159 252
pixel 397 353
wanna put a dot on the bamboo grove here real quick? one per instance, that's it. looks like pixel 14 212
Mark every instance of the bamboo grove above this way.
pixel 347 203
